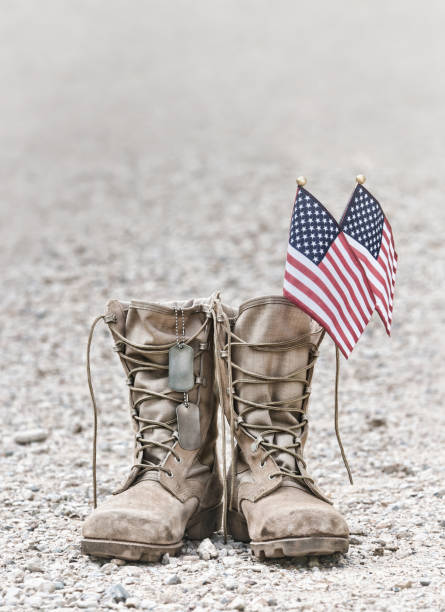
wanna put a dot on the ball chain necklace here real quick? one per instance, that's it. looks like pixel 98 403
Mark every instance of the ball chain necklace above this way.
pixel 181 378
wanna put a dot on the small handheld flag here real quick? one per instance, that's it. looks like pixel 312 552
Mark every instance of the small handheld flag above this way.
pixel 370 238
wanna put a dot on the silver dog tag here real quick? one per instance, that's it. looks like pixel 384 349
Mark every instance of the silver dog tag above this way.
pixel 180 368
pixel 189 428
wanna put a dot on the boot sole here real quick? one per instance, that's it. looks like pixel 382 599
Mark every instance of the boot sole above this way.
pixel 287 547
pixel 200 526
pixel 299 547
pixel 129 551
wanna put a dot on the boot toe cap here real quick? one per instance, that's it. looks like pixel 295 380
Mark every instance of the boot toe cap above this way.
pixel 130 526
pixel 291 513
pixel 142 514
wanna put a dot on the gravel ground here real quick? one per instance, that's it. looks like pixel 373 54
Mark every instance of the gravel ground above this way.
pixel 150 151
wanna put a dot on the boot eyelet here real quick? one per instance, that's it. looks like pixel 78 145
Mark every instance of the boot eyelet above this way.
pixel 261 465
pixel 170 474
pixel 271 476
pixel 178 459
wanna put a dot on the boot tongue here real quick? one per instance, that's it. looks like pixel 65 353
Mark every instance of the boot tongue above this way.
pixel 155 325
pixel 263 321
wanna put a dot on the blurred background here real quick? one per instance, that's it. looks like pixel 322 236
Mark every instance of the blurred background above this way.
pixel 149 150
pixel 320 88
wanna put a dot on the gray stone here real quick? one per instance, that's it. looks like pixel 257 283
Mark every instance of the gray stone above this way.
pixel 230 584
pixel 30 435
pixel 47 587
pixel 173 579
pixel 34 565
pixel 12 595
pixel 118 562
pixel 118 593
pixel 18 575
pixel 35 601
pixel 207 550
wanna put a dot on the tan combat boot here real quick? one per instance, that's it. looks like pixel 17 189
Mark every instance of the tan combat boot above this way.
pixel 174 488
pixel 266 362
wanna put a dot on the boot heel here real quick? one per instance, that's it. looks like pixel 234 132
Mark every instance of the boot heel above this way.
pixel 237 526
pixel 204 524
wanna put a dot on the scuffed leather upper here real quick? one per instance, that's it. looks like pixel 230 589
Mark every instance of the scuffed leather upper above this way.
pixel 274 506
pixel 153 507
pixel 290 512
pixel 145 513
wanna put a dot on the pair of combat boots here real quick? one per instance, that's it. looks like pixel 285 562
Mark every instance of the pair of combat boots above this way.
pixel 257 364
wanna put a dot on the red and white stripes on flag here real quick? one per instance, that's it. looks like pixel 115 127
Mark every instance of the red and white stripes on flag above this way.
pixel 323 277
pixel 370 238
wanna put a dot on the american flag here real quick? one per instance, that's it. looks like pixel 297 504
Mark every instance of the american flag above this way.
pixel 322 275
pixel 370 237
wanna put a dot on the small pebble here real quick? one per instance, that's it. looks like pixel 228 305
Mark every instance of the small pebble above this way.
pixel 207 550
pixel 47 587
pixel 34 565
pixel 118 562
pixel 405 585
pixel 173 579
pixel 34 602
pixel 12 595
pixel 376 422
pixel 76 428
pixel 30 435
pixel 230 584
pixel 18 575
pixel 118 593
pixel 237 604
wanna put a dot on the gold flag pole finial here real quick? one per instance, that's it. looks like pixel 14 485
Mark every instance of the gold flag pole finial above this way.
pixel 360 178
pixel 301 181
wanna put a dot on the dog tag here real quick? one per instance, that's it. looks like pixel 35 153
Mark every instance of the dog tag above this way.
pixel 180 368
pixel 189 427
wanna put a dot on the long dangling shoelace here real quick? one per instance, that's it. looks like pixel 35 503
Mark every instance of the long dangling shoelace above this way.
pixel 143 425
pixel 302 375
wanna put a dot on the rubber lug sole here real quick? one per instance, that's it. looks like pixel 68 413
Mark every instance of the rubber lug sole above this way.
pixel 299 547
pixel 129 551
pixel 200 526
pixel 288 547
